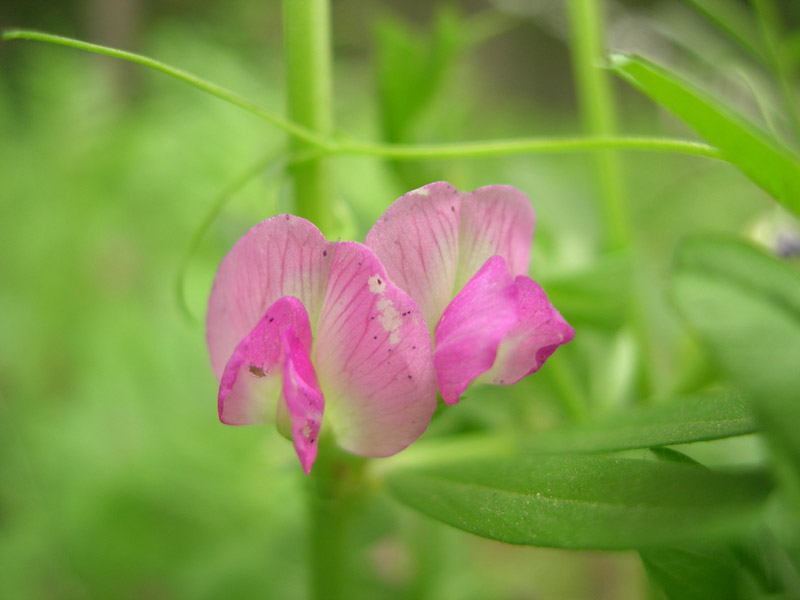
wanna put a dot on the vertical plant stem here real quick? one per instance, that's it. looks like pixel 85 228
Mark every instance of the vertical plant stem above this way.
pixel 335 486
pixel 308 61
pixel 597 109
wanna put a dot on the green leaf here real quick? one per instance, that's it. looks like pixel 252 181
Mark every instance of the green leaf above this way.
pixel 582 501
pixel 763 159
pixel 679 421
pixel 697 571
pixel 745 305
pixel 735 20
pixel 748 568
pixel 412 69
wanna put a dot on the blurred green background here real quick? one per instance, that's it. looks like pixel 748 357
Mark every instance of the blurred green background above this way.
pixel 116 479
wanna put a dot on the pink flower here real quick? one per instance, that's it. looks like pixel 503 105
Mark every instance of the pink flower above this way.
pixel 298 326
pixel 463 258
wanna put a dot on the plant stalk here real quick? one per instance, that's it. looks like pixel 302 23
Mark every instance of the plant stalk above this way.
pixel 335 487
pixel 308 61
pixel 597 109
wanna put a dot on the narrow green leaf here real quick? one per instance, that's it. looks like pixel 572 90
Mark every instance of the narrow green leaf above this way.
pixel 412 68
pixel 582 501
pixel 751 567
pixel 697 571
pixel 763 159
pixel 745 305
pixel 679 421
pixel 734 20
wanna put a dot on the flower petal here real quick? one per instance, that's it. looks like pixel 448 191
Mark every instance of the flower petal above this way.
pixel 539 332
pixel 496 220
pixel 303 398
pixel 434 239
pixel 251 382
pixel 472 327
pixel 417 241
pixel 272 365
pixel 282 256
pixel 372 355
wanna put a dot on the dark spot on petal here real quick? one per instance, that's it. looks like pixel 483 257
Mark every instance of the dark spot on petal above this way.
pixel 409 376
pixel 287 217
pixel 380 282
pixel 452 208
pixel 271 319
pixel 374 337
pixel 257 371
pixel 324 253
pixel 413 347
pixel 372 318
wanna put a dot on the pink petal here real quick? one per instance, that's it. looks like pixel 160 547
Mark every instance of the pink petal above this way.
pixel 373 357
pixel 282 256
pixel 417 241
pixel 303 398
pixel 496 220
pixel 272 365
pixel 472 327
pixel 496 330
pixel 434 239
pixel 538 333
pixel 251 382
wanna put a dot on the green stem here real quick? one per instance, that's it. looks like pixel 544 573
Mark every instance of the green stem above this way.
pixel 326 144
pixel 597 106
pixel 537 145
pixel 586 24
pixel 307 55
pixel 335 486
pixel 274 161
pixel 201 84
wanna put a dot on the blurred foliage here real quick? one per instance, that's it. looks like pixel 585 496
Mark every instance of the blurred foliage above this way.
pixel 117 479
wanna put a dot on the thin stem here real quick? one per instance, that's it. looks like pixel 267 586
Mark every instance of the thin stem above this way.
pixel 328 145
pixel 536 145
pixel 586 24
pixel 597 106
pixel 210 88
pixel 272 160
pixel 307 55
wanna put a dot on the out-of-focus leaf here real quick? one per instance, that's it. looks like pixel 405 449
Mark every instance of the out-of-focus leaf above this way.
pixel 595 297
pixel 582 501
pixel 733 19
pixel 763 159
pixel 678 421
pixel 745 305
pixel 748 568
pixel 695 571
pixel 771 566
pixel 412 69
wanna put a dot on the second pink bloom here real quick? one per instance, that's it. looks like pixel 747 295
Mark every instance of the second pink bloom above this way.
pixel 463 257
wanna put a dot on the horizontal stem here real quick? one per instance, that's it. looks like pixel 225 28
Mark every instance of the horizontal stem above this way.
pixel 328 145
pixel 536 145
